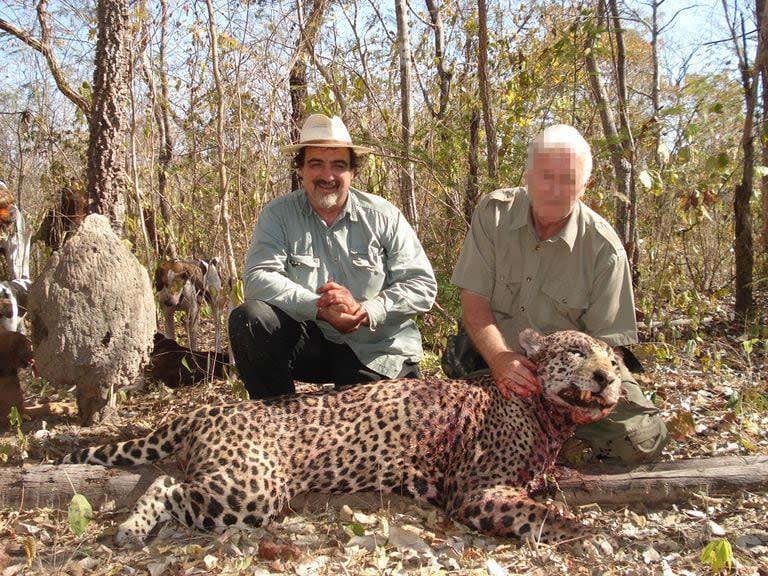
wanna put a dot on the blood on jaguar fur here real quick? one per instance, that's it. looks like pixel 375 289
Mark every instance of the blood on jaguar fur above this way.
pixel 455 444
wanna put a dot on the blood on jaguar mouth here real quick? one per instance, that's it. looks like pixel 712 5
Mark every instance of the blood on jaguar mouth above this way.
pixel 584 398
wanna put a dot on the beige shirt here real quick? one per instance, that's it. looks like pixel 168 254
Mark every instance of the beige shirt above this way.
pixel 578 280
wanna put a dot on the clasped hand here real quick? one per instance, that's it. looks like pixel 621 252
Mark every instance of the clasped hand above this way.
pixel 339 308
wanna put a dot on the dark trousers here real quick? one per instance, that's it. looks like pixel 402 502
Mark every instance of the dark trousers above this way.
pixel 271 349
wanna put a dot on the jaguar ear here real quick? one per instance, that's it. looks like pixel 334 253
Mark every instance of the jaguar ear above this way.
pixel 631 361
pixel 531 341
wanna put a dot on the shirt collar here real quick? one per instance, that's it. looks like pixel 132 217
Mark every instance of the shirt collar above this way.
pixel 569 232
pixel 571 229
pixel 521 217
pixel 352 207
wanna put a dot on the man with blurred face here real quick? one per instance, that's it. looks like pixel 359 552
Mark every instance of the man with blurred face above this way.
pixel 538 257
pixel 334 278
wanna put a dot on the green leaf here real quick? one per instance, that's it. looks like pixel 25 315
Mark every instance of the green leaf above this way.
pixel 354 529
pixel 718 555
pixel 80 514
pixel 716 108
pixel 718 162
pixel 684 155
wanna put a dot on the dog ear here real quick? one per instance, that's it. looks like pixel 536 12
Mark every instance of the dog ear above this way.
pixel 160 276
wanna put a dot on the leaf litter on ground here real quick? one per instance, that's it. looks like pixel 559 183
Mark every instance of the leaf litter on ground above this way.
pixel 704 403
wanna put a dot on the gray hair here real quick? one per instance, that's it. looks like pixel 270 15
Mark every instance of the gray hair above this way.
pixel 562 136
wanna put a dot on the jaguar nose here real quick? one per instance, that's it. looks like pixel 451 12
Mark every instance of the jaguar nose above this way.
pixel 601 378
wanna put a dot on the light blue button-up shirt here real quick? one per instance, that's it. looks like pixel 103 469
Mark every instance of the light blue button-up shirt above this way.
pixel 370 249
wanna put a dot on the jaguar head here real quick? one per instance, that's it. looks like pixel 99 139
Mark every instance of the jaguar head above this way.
pixel 579 375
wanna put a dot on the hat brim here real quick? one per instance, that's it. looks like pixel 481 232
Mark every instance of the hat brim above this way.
pixel 293 148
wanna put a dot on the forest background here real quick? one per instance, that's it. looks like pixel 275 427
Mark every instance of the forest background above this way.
pixel 672 97
pixel 167 116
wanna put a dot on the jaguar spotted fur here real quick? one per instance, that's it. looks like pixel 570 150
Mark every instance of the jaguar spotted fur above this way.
pixel 455 444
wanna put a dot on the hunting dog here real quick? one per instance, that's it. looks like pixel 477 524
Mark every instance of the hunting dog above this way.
pixel 184 285
pixel 15 239
pixel 13 304
pixel 15 353
pixel 174 365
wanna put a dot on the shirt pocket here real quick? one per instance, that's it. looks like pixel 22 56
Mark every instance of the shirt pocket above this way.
pixel 564 306
pixel 505 299
pixel 303 269
pixel 368 269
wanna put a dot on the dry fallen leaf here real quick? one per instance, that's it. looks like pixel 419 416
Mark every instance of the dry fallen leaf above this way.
pixel 269 550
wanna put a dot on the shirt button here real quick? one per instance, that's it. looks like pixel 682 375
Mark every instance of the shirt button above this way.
pixel 538 247
pixel 528 279
pixel 522 308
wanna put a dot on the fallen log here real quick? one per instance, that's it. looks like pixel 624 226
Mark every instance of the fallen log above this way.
pixel 664 482
pixel 50 486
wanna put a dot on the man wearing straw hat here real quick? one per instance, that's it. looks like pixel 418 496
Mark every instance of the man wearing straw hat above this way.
pixel 334 278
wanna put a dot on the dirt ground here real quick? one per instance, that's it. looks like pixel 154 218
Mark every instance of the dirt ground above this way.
pixel 714 397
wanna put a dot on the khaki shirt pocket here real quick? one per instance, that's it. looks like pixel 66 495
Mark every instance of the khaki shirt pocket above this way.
pixel 506 295
pixel 562 306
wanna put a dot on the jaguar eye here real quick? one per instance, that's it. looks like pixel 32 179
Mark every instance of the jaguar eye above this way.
pixel 577 352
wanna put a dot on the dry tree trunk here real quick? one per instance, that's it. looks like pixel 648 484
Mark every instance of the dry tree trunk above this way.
pixel 107 180
pixel 229 251
pixel 485 97
pixel 407 195
pixel 309 31
pixel 665 482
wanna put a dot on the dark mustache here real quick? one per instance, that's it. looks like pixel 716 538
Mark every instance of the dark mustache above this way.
pixel 320 181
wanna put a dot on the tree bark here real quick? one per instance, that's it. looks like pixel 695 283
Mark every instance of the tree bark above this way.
pixel 407 195
pixel 309 29
pixel 485 98
pixel 665 482
pixel 107 180
pixel 444 70
pixel 627 139
pixel 163 242
pixel 764 134
pixel 50 486
pixel 743 245
pixel 473 169
pixel 224 218
pixel 619 138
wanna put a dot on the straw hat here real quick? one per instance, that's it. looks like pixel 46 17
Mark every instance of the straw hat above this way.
pixel 324 132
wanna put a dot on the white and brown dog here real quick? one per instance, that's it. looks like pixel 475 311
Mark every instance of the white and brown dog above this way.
pixel 184 285
pixel 13 304
pixel 15 238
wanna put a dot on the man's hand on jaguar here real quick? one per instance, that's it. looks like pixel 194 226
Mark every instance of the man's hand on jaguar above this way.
pixel 514 374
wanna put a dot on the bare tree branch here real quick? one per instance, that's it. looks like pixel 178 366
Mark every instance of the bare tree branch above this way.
pixel 44 47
